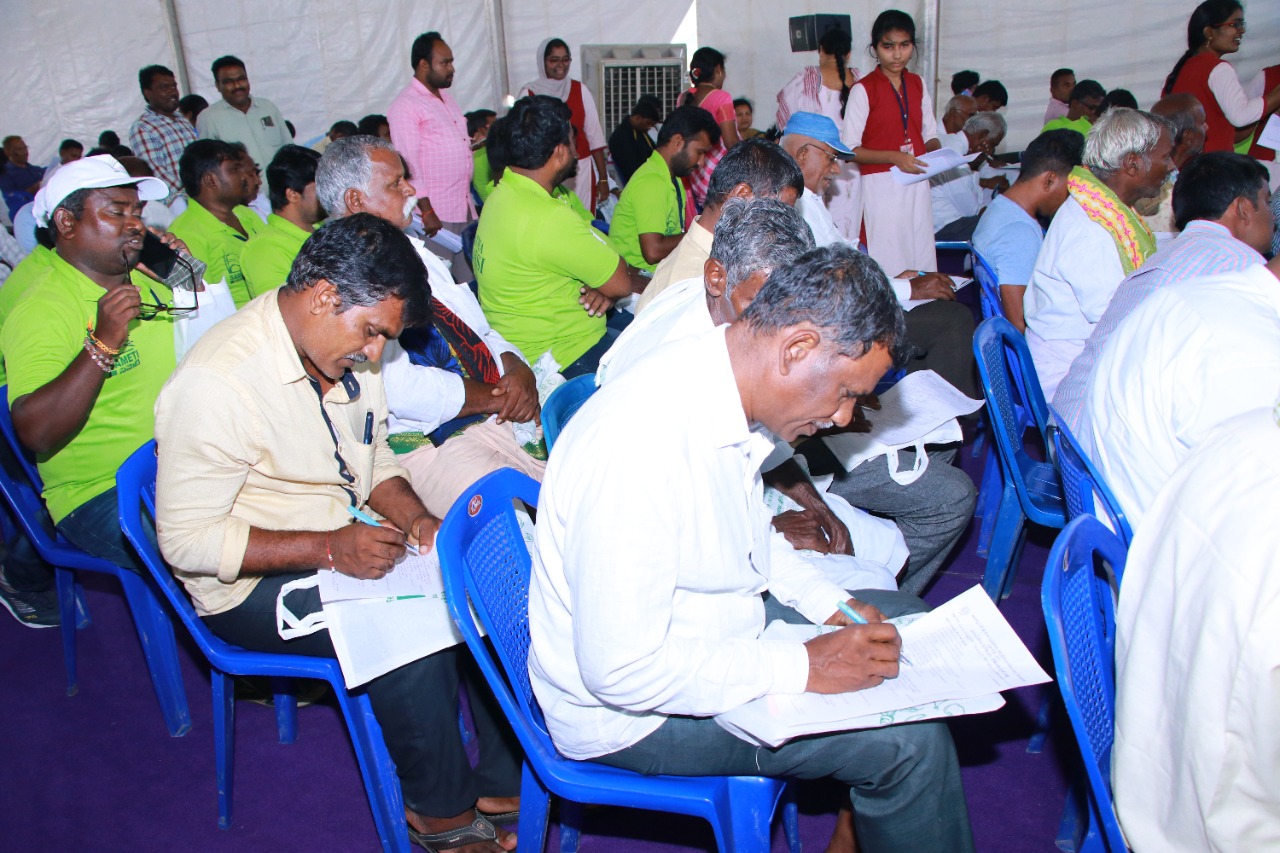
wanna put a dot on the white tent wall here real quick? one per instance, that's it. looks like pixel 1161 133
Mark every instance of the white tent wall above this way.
pixel 753 34
pixel 1123 46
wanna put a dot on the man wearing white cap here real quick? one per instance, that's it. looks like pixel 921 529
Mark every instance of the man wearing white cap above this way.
pixel 88 346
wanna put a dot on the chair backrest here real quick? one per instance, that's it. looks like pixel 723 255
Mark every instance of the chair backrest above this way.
pixel 483 557
pixel 1009 382
pixel 27 459
pixel 564 403
pixel 136 490
pixel 988 288
pixel 1083 485
pixel 1078 596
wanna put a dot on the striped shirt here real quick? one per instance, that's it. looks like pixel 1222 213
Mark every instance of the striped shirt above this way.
pixel 160 140
pixel 431 132
pixel 1203 248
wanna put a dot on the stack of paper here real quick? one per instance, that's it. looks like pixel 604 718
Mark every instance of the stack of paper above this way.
pixel 961 656
pixel 936 162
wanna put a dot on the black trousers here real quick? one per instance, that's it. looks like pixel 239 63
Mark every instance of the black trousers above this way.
pixel 416 706
pixel 941 332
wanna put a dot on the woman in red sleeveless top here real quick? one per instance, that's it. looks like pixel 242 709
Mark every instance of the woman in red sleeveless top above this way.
pixel 554 59
pixel 889 122
pixel 1215 29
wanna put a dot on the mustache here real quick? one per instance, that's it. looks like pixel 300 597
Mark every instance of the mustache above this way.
pixel 409 204
pixel 357 357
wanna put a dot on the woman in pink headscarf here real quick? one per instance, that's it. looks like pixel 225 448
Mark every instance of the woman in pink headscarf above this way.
pixel 554 59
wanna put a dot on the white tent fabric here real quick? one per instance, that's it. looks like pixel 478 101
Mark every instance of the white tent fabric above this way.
pixel 71 67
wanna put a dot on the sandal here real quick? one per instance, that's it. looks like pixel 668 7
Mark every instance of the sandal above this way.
pixel 478 830
pixel 503 818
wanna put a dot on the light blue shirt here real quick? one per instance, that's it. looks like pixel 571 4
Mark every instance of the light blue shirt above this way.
pixel 1008 239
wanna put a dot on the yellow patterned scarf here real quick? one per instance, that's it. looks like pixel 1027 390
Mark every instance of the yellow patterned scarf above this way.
pixel 1134 240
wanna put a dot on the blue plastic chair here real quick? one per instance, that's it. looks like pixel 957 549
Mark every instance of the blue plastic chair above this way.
pixel 154 631
pixel 1031 490
pixel 563 404
pixel 989 490
pixel 1084 487
pixel 952 246
pixel 136 485
pixel 484 558
pixel 988 288
pixel 1078 596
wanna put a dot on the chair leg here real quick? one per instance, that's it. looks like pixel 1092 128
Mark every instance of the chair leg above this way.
pixel 65 583
pixel 750 803
pixel 535 803
pixel 286 705
pixel 1005 544
pixel 791 821
pixel 1044 719
pixel 571 817
pixel 378 771
pixel 989 500
pixel 224 741
pixel 160 648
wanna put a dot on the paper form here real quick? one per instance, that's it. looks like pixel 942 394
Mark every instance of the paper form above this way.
pixel 961 655
pixel 937 162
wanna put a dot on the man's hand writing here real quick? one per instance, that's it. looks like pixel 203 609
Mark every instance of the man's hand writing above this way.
pixel 853 658
pixel 366 551
pixel 932 285
pixel 867 611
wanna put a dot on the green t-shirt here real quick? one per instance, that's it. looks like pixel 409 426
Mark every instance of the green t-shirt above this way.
pixel 1080 125
pixel 569 197
pixel 27 272
pixel 44 334
pixel 217 244
pixel 268 256
pixel 532 255
pixel 650 204
pixel 482 175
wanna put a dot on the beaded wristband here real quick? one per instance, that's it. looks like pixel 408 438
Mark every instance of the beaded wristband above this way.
pixel 106 350
pixel 106 363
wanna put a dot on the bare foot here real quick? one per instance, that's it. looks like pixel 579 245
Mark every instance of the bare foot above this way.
pixel 498 805
pixel 421 823
pixel 842 840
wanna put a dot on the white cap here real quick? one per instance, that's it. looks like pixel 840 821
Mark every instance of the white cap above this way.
pixel 91 173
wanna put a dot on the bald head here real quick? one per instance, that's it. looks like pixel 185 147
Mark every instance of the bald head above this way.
pixel 959 109
pixel 1189 123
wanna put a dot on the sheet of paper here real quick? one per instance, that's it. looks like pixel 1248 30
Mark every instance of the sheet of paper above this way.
pixel 937 162
pixel 915 409
pixel 1270 136
pixel 448 240
pixel 415 576
pixel 960 655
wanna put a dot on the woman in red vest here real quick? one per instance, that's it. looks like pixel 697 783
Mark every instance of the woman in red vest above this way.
pixel 592 183
pixel 889 122
pixel 1215 30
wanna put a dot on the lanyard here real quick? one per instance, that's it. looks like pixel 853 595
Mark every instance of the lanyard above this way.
pixel 902 106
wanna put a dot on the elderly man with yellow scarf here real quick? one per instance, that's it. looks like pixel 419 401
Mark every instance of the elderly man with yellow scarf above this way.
pixel 1095 239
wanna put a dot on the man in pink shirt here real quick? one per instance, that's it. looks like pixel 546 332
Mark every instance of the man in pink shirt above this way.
pixel 429 129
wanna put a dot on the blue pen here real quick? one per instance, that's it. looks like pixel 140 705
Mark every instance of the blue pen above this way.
pixel 365 518
pixel 858 620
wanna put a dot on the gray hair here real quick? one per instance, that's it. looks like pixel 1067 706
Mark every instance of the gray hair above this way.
pixel 1119 133
pixel 346 164
pixel 758 235
pixel 954 103
pixel 992 123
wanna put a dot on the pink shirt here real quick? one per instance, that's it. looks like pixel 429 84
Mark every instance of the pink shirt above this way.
pixel 431 133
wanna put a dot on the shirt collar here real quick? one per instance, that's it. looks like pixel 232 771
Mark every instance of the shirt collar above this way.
pixel 726 421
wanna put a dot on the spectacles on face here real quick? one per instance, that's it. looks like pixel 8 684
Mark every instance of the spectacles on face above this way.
pixel 831 157
pixel 1238 26
pixel 559 60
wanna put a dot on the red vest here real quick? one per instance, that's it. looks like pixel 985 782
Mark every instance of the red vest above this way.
pixel 578 118
pixel 1272 78
pixel 1194 79
pixel 884 131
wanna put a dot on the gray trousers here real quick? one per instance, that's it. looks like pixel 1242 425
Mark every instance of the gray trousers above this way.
pixel 904 781
pixel 932 512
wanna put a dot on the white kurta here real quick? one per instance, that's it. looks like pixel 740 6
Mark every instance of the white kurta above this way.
pixel 1190 356
pixel 897 220
pixel 1077 271
pixel 1197 752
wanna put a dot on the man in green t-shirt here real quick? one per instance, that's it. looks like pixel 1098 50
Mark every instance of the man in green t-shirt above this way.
pixel 649 221
pixel 291 186
pixel 87 350
pixel 216 225
pixel 546 277
pixel 1082 109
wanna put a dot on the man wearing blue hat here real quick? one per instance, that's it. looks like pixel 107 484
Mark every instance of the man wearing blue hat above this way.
pixel 932 512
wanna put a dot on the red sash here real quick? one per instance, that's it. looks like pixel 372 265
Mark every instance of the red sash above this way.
pixel 884 131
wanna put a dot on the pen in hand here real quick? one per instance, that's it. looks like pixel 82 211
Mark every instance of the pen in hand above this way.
pixel 858 620
pixel 365 518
